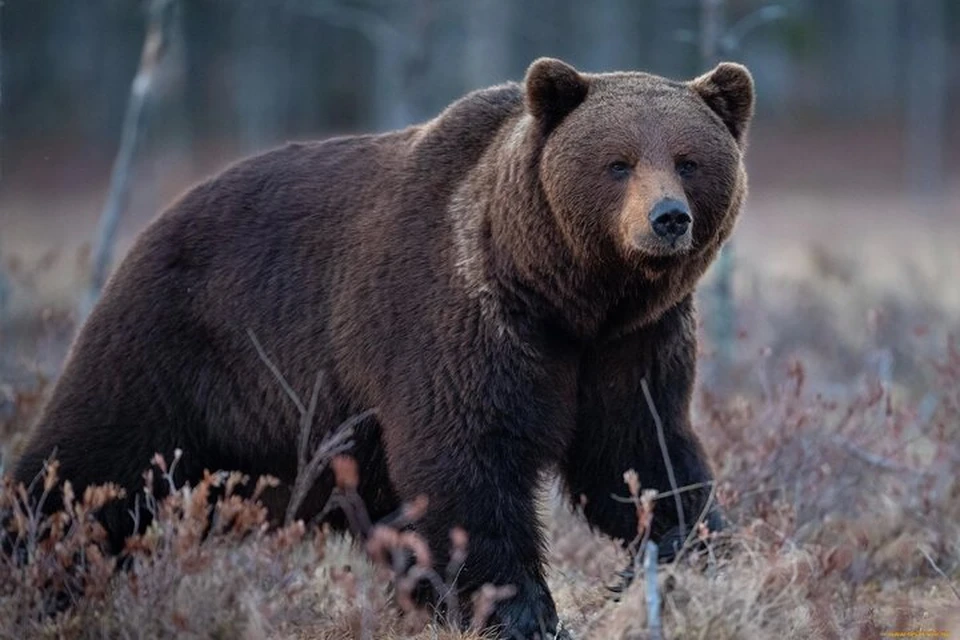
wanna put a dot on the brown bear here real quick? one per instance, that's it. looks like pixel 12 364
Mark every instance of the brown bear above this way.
pixel 497 282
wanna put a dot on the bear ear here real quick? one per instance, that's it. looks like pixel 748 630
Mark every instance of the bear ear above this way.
pixel 728 91
pixel 553 89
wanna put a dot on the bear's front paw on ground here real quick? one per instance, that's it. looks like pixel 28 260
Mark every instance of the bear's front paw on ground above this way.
pixel 529 615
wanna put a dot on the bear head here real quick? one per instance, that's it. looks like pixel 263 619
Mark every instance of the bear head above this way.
pixel 637 168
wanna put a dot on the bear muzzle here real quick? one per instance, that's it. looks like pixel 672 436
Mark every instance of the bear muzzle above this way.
pixel 666 229
pixel 656 219
pixel 671 221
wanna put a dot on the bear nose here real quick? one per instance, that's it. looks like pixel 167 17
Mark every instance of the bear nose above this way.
pixel 670 219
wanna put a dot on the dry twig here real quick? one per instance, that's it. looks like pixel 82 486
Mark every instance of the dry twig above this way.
pixel 661 438
pixel 338 441
pixel 943 575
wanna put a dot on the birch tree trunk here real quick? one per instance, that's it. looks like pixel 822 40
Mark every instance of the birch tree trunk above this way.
pixel 723 320
pixel 926 100
pixel 160 13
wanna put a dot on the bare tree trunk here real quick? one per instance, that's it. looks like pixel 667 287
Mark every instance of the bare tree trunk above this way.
pixel 723 321
pixel 398 32
pixel 711 30
pixel 4 290
pixel 926 100
pixel 4 284
pixel 391 101
pixel 154 45
pixel 604 28
pixel 401 55
pixel 258 76
pixel 652 592
pixel 486 49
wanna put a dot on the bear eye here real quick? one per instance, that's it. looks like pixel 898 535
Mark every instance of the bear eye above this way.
pixel 686 168
pixel 620 169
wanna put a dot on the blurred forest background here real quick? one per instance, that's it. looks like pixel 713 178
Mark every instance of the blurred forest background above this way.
pixel 854 157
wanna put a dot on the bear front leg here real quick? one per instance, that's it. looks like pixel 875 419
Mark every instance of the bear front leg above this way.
pixel 617 431
pixel 485 485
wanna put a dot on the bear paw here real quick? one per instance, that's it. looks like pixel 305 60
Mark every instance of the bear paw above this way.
pixel 529 615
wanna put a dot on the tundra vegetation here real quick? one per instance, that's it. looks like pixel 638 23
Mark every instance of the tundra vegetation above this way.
pixel 835 437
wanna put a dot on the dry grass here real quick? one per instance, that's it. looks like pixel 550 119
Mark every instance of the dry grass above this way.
pixel 835 435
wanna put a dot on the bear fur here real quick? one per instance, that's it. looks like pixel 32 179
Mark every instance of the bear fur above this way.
pixel 489 281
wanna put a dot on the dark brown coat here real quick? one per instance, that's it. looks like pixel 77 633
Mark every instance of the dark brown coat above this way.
pixel 489 280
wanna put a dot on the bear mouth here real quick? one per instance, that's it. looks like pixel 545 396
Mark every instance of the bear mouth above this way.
pixel 661 263
pixel 652 247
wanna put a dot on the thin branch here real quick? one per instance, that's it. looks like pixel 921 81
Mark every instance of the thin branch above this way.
pixel 276 374
pixel 666 494
pixel 875 460
pixel 354 510
pixel 310 468
pixel 373 27
pixel 939 571
pixel 450 596
pixel 735 35
pixel 661 438
pixel 336 443
pixel 701 517
pixel 306 423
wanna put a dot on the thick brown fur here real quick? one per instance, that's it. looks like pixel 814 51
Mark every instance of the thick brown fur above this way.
pixel 487 280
